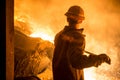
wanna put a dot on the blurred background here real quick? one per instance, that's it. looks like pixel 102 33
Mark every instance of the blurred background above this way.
pixel 44 18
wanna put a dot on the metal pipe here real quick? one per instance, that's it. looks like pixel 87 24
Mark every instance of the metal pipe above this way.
pixel 90 53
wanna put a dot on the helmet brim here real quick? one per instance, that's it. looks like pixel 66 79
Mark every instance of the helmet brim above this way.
pixel 74 16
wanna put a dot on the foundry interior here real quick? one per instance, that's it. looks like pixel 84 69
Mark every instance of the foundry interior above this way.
pixel 36 22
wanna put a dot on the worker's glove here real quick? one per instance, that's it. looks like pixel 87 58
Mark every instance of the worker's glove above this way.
pixel 95 60
pixel 104 58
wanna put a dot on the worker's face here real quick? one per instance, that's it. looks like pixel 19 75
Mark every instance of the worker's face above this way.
pixel 75 19
pixel 79 20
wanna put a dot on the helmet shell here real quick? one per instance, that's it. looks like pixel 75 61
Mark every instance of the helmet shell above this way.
pixel 75 11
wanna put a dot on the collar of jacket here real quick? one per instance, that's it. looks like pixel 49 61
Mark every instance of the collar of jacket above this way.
pixel 68 28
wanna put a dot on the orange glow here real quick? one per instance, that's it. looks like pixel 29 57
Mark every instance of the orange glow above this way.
pixel 89 74
pixel 43 35
pixel 46 17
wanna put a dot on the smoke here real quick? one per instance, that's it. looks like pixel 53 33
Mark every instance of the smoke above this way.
pixel 99 14
pixel 102 25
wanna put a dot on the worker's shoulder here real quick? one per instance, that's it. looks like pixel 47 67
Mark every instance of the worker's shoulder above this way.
pixel 72 36
pixel 59 33
pixel 75 34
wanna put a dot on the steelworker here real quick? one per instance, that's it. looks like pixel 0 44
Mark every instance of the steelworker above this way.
pixel 69 59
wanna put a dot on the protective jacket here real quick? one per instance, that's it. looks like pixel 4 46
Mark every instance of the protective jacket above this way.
pixel 68 59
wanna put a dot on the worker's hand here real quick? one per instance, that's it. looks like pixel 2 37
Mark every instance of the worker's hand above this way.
pixel 104 58
pixel 98 63
pixel 96 60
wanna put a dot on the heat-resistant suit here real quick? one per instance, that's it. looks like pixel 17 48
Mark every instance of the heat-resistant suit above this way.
pixel 68 59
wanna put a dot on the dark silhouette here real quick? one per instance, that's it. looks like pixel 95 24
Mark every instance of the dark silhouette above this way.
pixel 69 59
